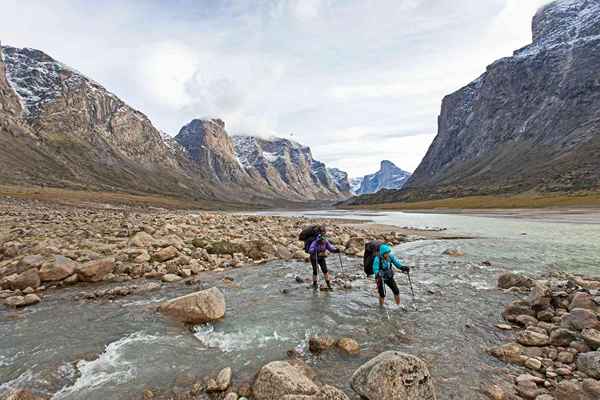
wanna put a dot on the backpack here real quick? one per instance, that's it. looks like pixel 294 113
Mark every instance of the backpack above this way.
pixel 371 251
pixel 309 235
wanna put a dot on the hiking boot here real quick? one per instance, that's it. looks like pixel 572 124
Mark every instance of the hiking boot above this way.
pixel 315 285
pixel 328 285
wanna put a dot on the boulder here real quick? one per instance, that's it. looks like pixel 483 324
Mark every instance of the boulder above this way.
pixel 58 269
pixel 592 388
pixel 29 278
pixel 540 296
pixel 325 393
pixel 562 337
pixel 95 270
pixel 515 309
pixel 584 300
pixel 283 253
pixel 222 382
pixel 394 375
pixel 32 261
pixel 31 299
pixel 348 345
pixel 572 390
pixel 317 344
pixel 280 378
pixel 589 363
pixel 169 278
pixel 508 280
pixel 196 308
pixel 166 254
pixel 15 301
pixel 509 352
pixel 579 319
pixel 141 239
pixel 531 338
pixel 591 337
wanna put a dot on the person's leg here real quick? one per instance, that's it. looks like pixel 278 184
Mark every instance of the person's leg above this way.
pixel 381 291
pixel 323 265
pixel 313 261
pixel 394 287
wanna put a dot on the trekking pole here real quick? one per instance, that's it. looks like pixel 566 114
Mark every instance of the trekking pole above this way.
pixel 411 286
pixel 341 263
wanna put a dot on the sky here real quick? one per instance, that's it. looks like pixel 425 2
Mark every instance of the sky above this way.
pixel 358 81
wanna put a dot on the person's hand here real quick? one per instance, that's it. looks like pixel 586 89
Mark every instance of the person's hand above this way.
pixel 405 269
pixel 337 251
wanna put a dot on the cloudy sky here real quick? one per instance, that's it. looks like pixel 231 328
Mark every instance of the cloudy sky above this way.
pixel 356 80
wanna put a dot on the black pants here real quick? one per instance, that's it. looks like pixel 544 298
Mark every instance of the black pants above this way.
pixel 321 261
pixel 390 282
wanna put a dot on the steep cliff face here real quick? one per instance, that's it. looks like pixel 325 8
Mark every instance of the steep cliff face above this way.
pixel 389 176
pixel 288 166
pixel 531 122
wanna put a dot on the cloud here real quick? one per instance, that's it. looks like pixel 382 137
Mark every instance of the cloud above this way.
pixel 355 80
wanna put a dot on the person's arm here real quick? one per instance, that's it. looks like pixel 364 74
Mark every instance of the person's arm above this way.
pixel 312 249
pixel 376 265
pixel 398 263
pixel 330 247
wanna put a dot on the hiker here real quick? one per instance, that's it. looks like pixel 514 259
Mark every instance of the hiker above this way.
pixel 318 253
pixel 384 273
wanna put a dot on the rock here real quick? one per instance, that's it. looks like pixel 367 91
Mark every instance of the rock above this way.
pixel 533 363
pixel 504 327
pixel 589 363
pixel 495 392
pixel 454 253
pixel 509 352
pixel 325 393
pixel 540 296
pixel 27 279
pixel 349 345
pixel 280 378
pixel 528 389
pixel 169 278
pixel 562 337
pixel 565 357
pixel 141 239
pixel 31 299
pixel 317 344
pixel 544 397
pixel 21 394
pixel 283 253
pixel 225 247
pixel 591 337
pixel 592 388
pixel 570 390
pixel 527 320
pixel 545 315
pixel 58 269
pixel 579 319
pixel 508 280
pixel 224 379
pixel 15 301
pixel 585 301
pixel 95 270
pixel 231 396
pixel 515 309
pixel 33 261
pixel 394 375
pixel 166 254
pixel 196 308
pixel 531 338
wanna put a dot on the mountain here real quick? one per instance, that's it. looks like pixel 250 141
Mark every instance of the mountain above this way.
pixel 530 123
pixel 389 176
pixel 59 128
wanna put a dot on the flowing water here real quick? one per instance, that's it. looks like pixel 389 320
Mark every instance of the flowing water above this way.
pixel 72 349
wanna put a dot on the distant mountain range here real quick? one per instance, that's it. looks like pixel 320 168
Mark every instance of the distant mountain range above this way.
pixel 389 176
pixel 530 123
pixel 59 128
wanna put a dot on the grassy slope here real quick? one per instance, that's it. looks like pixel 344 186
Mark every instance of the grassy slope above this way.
pixel 583 199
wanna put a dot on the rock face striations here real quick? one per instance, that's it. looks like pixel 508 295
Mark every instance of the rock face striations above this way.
pixel 389 176
pixel 531 122
pixel 59 128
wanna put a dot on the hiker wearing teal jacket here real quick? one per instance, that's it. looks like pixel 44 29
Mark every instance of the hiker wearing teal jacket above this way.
pixel 384 272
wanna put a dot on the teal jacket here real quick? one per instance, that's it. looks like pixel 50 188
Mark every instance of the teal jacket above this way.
pixel 382 264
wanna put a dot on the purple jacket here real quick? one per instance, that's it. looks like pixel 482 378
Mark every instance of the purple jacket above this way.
pixel 317 247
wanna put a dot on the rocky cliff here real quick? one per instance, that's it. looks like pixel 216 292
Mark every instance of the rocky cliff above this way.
pixel 389 176
pixel 59 128
pixel 531 122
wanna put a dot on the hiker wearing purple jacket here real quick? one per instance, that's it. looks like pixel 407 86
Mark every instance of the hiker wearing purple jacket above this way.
pixel 318 252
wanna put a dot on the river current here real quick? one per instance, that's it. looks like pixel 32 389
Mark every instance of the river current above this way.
pixel 75 349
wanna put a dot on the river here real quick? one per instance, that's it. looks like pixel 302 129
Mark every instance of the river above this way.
pixel 74 349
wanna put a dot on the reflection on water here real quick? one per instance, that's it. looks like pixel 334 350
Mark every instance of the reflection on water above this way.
pixel 115 349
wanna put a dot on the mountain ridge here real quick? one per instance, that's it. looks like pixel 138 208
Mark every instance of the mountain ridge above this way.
pixel 389 176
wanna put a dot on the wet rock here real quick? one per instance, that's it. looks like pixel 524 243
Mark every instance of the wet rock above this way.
pixel 585 301
pixel 527 320
pixel 394 375
pixel 196 308
pixel 15 301
pixel 509 352
pixel 166 254
pixel 95 270
pixel 515 309
pixel 591 337
pixel 348 345
pixel 27 279
pixel 280 378
pixel 224 379
pixel 589 363
pixel 58 269
pixel 169 278
pixel 318 344
pixel 508 280
pixel 540 296
pixel 454 253
pixel 579 319
pixel 531 338
pixel 562 337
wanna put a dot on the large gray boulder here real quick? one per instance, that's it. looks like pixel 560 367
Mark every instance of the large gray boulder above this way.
pixel 196 308
pixel 394 376
pixel 589 363
pixel 279 379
